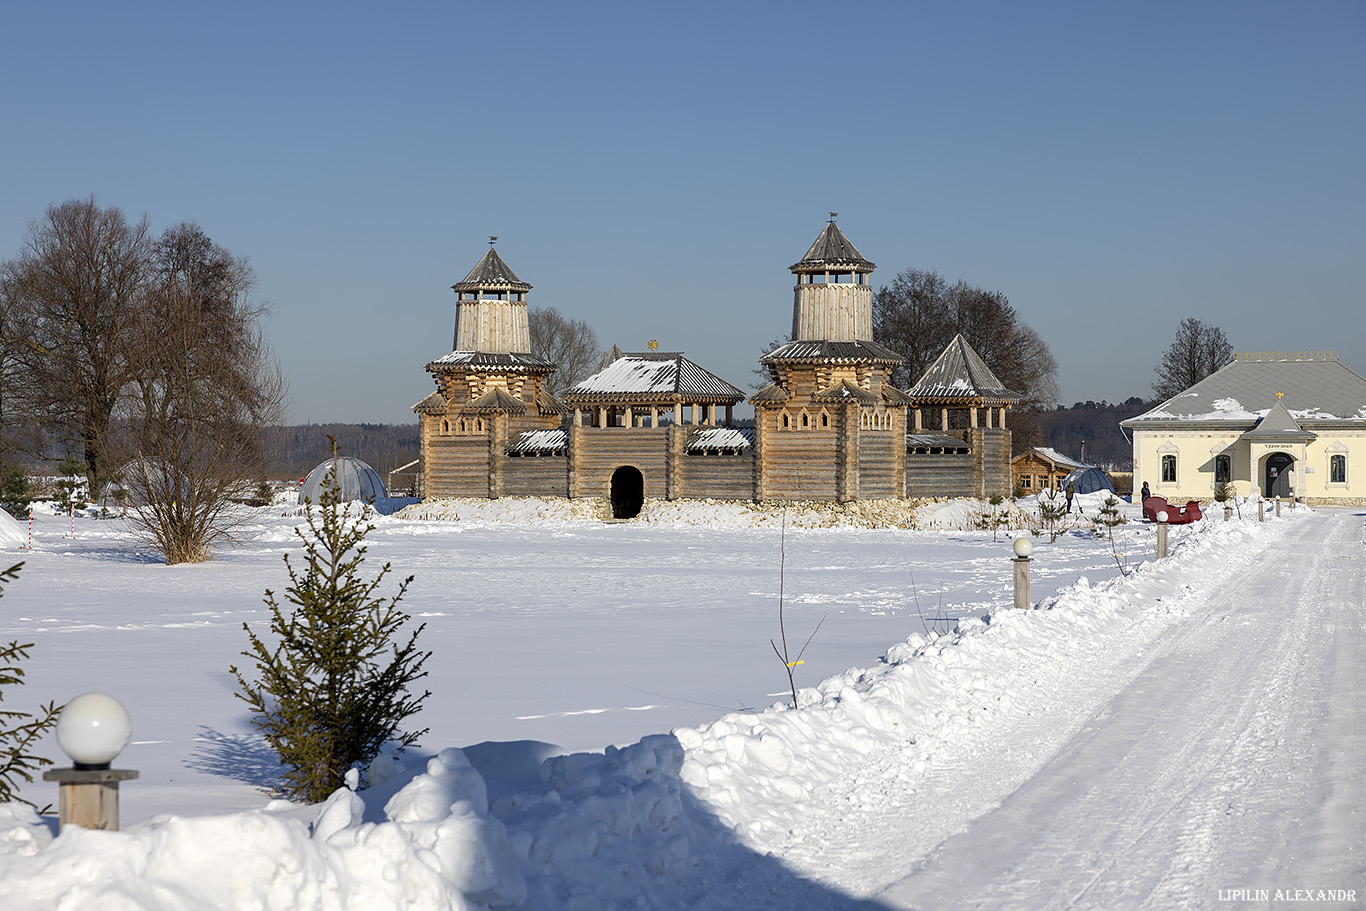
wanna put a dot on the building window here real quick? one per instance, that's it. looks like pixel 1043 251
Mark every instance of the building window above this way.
pixel 1223 469
pixel 805 421
pixel 1169 469
pixel 786 422
pixel 825 420
pixel 1337 469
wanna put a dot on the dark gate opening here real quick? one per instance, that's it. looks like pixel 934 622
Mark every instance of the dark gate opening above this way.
pixel 628 492
pixel 1277 474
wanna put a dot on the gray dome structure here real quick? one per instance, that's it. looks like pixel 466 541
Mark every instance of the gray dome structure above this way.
pixel 355 481
pixel 1089 480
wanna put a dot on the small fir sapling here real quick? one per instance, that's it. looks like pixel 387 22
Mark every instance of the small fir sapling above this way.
pixel 15 494
pixel 1223 495
pixel 1053 514
pixel 336 686
pixel 71 486
pixel 1109 516
pixel 19 731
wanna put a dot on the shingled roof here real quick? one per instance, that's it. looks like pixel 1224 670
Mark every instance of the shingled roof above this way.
pixel 960 377
pixel 653 377
pixel 832 248
pixel 491 271
pixel 483 360
pixel 821 351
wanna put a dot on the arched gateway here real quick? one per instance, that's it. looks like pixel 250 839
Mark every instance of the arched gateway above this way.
pixel 628 492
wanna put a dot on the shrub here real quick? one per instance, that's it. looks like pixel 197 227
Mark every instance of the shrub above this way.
pixel 335 687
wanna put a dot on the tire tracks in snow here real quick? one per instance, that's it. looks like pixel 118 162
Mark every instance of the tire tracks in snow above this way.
pixel 1231 762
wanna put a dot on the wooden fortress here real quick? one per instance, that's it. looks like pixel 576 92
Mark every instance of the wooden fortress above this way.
pixel 829 425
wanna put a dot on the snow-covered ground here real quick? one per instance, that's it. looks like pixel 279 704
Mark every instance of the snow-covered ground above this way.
pixel 926 704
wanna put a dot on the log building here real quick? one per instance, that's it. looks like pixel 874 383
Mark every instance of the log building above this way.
pixel 829 425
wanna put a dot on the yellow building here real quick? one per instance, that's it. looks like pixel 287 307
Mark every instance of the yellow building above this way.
pixel 1282 425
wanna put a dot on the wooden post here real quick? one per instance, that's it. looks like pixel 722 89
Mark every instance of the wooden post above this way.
pixel 1161 540
pixel 1021 582
pixel 88 798
pixel 1278 507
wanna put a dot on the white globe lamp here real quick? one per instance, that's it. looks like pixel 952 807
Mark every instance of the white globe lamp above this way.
pixel 1023 548
pixel 93 729
pixel 1162 515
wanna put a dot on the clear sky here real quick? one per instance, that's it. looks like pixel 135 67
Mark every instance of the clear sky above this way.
pixel 654 168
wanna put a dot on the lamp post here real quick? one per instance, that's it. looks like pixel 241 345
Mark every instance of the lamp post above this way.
pixel 92 729
pixel 1161 534
pixel 1023 547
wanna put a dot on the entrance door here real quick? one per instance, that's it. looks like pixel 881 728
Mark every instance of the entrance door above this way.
pixel 1277 482
pixel 628 492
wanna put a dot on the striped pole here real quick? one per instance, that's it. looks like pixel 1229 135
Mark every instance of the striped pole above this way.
pixel 29 545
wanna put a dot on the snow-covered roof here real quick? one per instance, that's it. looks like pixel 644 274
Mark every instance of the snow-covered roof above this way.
pixel 1278 425
pixel 935 441
pixel 1312 386
pixel 653 377
pixel 482 360
pixel 1052 455
pixel 712 439
pixel 959 375
pixel 825 351
pixel 539 441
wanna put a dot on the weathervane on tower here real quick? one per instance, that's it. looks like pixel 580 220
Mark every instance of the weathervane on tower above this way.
pixel 493 239
pixel 833 216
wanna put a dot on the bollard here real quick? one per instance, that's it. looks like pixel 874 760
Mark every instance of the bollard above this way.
pixel 1161 535
pixel 1278 507
pixel 1023 548
pixel 1261 509
pixel 92 729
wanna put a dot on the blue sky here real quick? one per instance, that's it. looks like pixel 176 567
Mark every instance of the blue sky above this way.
pixel 654 169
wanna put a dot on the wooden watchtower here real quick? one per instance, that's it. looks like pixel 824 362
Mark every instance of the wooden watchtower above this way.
pixel 489 388
pixel 830 426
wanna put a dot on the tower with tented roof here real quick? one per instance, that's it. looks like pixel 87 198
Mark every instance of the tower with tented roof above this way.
pixel 830 425
pixel 488 388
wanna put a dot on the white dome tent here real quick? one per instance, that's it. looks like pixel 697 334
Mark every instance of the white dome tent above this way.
pixel 355 481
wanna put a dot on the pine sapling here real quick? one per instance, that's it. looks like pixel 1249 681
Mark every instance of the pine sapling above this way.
pixel 336 686
pixel 784 655
pixel 19 731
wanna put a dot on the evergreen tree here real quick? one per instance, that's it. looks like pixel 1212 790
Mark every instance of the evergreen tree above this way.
pixel 15 495
pixel 336 686
pixel 1109 517
pixel 19 731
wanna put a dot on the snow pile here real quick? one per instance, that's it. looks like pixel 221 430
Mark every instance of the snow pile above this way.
pixel 511 826
pixel 13 533
pixel 514 510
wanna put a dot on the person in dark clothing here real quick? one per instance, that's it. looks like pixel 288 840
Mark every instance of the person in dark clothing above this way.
pixel 1070 490
pixel 1144 494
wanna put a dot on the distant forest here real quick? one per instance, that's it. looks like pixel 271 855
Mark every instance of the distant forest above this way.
pixel 383 447
pixel 1097 425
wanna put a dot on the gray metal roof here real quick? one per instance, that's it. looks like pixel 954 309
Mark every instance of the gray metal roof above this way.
pixel 481 360
pixel 491 272
pixel 823 351
pixel 653 377
pixel 832 249
pixel 959 375
pixel 432 404
pixel 1278 425
pixel 1312 388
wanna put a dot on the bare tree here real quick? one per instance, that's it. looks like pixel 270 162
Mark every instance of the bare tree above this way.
pixel 761 375
pixel 71 295
pixel 570 344
pixel 206 391
pixel 1197 351
pixel 919 314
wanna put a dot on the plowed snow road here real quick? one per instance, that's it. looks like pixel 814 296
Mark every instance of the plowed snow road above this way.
pixel 1230 768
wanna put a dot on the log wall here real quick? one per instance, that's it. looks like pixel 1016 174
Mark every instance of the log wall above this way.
pixel 602 450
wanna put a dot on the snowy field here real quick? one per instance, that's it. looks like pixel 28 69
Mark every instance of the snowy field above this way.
pixel 624 733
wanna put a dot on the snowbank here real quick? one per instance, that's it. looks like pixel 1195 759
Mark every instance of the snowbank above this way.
pixel 13 533
pixel 507 826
